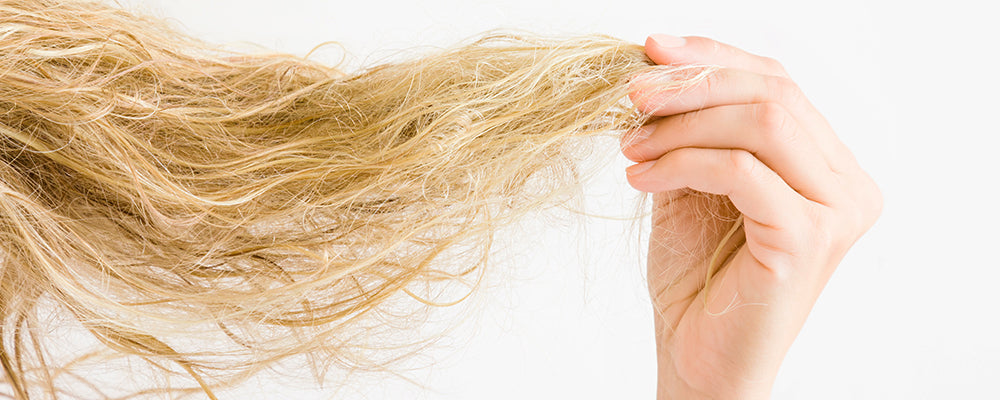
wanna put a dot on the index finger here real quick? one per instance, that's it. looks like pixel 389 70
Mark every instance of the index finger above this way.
pixel 666 49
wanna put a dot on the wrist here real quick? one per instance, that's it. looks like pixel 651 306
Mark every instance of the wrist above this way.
pixel 669 387
pixel 701 382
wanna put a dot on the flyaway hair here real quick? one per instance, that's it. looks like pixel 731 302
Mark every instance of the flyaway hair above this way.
pixel 212 213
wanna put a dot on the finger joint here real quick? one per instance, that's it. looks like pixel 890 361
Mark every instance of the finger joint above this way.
pixel 774 122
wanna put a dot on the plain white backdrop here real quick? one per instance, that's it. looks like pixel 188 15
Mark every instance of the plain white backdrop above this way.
pixel 910 86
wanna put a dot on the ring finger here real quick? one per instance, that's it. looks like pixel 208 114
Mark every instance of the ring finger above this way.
pixel 757 191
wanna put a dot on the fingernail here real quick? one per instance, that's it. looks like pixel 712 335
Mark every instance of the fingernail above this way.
pixel 643 133
pixel 655 77
pixel 664 40
pixel 639 135
pixel 639 168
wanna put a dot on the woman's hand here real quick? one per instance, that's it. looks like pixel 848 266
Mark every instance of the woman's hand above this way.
pixel 749 135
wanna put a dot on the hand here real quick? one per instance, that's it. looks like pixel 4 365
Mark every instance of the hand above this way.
pixel 744 142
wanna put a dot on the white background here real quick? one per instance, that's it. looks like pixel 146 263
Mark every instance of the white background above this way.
pixel 911 87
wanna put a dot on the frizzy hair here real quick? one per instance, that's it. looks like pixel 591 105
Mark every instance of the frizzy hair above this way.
pixel 159 190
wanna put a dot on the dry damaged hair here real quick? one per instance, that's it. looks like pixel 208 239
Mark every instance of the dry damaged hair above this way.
pixel 212 213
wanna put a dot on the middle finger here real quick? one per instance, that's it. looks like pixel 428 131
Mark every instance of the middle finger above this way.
pixel 763 129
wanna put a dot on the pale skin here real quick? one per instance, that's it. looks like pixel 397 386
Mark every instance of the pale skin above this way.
pixel 749 134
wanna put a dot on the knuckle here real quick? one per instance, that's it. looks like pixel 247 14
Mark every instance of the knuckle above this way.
pixel 840 229
pixel 774 121
pixel 774 66
pixel 686 121
pixel 862 203
pixel 784 90
pixel 711 82
pixel 743 163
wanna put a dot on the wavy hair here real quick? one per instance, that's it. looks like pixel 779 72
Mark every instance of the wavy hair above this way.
pixel 213 212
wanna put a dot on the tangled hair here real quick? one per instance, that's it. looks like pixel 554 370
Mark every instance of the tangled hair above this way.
pixel 212 213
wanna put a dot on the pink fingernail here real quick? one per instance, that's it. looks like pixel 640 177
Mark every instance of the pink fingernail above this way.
pixel 643 133
pixel 654 78
pixel 664 40
pixel 639 135
pixel 639 168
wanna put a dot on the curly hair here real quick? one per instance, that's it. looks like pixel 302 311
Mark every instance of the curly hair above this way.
pixel 213 212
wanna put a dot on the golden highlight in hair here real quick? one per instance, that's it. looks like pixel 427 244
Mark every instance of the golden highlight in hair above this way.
pixel 214 213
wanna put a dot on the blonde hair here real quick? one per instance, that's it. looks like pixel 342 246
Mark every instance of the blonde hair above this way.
pixel 163 191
